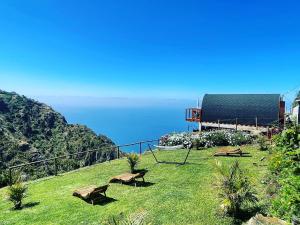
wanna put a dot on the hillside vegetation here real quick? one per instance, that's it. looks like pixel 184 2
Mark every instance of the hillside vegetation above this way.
pixel 172 194
pixel 31 131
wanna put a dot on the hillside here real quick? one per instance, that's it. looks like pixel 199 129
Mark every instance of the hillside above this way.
pixel 172 194
pixel 31 131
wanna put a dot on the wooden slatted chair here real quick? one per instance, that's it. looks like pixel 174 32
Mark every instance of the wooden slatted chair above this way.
pixel 128 177
pixel 91 193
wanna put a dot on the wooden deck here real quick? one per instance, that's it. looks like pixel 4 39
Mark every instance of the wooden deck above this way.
pixel 240 127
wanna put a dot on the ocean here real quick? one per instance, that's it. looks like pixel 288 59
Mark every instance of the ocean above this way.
pixel 129 124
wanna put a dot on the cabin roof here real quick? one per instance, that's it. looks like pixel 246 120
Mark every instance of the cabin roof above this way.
pixel 244 107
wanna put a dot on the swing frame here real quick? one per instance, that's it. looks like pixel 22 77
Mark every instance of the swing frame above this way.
pixel 178 163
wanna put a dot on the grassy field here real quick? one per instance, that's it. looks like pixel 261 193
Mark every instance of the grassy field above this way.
pixel 172 195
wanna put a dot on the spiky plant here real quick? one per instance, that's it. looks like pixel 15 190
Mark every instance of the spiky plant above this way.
pixel 132 160
pixel 235 189
pixel 16 193
pixel 133 219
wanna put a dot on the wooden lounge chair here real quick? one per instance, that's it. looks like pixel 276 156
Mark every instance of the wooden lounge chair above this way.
pixel 230 152
pixel 91 193
pixel 128 177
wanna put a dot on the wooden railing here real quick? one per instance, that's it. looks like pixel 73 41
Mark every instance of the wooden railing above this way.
pixel 54 159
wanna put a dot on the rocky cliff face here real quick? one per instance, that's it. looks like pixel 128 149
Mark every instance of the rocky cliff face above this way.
pixel 31 131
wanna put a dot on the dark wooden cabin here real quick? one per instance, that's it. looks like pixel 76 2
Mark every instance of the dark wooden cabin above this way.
pixel 243 109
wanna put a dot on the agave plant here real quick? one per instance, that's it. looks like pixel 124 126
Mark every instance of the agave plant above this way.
pixel 132 160
pixel 235 189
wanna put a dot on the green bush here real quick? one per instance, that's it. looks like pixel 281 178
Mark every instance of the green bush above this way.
pixel 287 202
pixel 4 179
pixel 285 169
pixel 238 138
pixel 235 190
pixel 132 160
pixel 196 143
pixel 207 139
pixel 262 143
pixel 16 193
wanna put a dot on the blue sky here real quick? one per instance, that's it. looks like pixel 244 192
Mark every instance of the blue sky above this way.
pixel 149 49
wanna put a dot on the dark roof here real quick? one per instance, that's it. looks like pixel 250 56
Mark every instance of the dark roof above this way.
pixel 245 107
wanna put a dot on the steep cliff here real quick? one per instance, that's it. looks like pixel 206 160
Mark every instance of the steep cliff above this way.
pixel 31 131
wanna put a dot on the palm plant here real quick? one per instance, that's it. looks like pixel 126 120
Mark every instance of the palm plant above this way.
pixel 132 160
pixel 235 189
pixel 16 193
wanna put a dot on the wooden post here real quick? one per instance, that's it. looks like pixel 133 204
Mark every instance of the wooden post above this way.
pixel 55 166
pixel 10 177
pixel 118 152
pixel 153 153
pixel 187 156
pixel 271 135
pixel 236 123
pixel 140 148
pixel 256 123
pixel 219 124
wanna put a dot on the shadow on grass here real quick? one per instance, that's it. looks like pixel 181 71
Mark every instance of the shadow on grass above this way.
pixel 240 156
pixel 30 204
pixel 140 183
pixel 171 163
pixel 103 200
pixel 141 171
pixel 136 183
pixel 26 205
pixel 178 163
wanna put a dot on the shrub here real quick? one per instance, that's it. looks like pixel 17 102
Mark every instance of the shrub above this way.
pixel 285 169
pixel 287 202
pixel 235 189
pixel 238 138
pixel 16 193
pixel 132 160
pixel 207 139
pixel 176 139
pixel 262 143
pixel 4 179
pixel 196 143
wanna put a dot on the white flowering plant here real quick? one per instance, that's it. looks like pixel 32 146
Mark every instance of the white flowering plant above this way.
pixel 207 139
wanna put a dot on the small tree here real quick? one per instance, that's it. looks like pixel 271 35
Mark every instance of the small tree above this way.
pixel 133 160
pixel 16 193
pixel 235 189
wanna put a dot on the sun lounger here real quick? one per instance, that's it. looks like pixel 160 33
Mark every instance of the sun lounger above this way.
pixel 230 152
pixel 127 177
pixel 91 193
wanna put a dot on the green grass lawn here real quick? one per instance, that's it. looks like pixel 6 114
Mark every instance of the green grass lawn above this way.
pixel 174 195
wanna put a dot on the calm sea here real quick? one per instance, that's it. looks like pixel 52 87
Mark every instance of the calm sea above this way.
pixel 127 125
